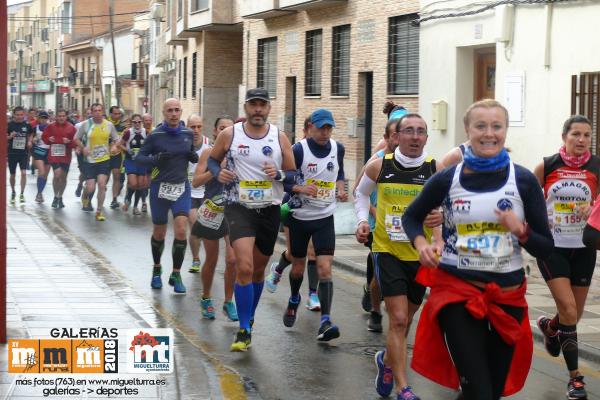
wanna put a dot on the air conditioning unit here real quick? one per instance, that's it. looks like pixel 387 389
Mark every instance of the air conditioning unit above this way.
pixel 157 11
pixel 162 79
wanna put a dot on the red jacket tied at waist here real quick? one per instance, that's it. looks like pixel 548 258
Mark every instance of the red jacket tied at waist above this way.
pixel 430 355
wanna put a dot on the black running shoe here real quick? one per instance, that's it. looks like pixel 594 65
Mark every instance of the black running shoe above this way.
pixel 576 389
pixel 55 203
pixel 60 203
pixel 374 322
pixel 366 299
pixel 289 318
pixel 114 204
pixel 550 342
pixel 327 331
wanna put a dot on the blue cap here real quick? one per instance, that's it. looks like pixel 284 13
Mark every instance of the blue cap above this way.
pixel 322 117
pixel 398 113
pixel 43 114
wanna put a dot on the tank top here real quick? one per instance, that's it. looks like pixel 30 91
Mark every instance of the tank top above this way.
pixel 135 141
pixel 566 188
pixel 198 193
pixel 252 187
pixel 476 241
pixel 321 172
pixel 396 189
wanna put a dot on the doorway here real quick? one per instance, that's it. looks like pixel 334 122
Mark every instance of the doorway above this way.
pixel 364 123
pixel 485 73
pixel 289 126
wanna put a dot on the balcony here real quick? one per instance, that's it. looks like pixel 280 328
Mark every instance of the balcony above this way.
pixel 162 51
pixel 172 39
pixel 299 5
pixel 213 15
pixel 263 9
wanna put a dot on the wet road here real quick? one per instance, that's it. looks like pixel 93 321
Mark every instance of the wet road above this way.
pixel 283 363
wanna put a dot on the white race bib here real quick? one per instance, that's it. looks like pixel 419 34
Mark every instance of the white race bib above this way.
pixel 19 142
pixel 325 193
pixel 484 247
pixel 211 215
pixel 566 221
pixel 58 150
pixel 171 191
pixel 99 152
pixel 394 228
pixel 256 194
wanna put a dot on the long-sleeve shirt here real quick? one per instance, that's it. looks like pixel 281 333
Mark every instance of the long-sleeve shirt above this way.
pixel 59 154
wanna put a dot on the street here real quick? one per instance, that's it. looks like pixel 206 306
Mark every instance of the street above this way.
pixel 283 363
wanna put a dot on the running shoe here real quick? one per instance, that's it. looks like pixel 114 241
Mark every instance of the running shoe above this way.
pixel 125 206
pixel 242 341
pixel 576 388
pixel 100 216
pixel 384 382
pixel 78 190
pixel 374 322
pixel 114 204
pixel 13 198
pixel 407 394
pixel 39 198
pixel 136 211
pixel 22 198
pixel 87 207
pixel 313 303
pixel 366 299
pixel 195 268
pixel 60 203
pixel 273 278
pixel 177 283
pixel 550 342
pixel 156 282
pixel 230 311
pixel 208 310
pixel 327 331
pixel 289 317
pixel 55 203
pixel 144 207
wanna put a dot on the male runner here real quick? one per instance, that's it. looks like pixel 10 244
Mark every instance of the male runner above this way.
pixel 116 161
pixel 20 135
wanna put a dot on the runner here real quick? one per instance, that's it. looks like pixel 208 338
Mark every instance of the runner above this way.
pixel 39 151
pixel 60 137
pixel 20 135
pixel 168 150
pixel 474 329
pixel 116 161
pixel 570 182
pixel 94 138
pixel 320 165
pixel 147 122
pixel 257 152
pixel 142 193
pixel 210 226
pixel 131 142
pixel 201 144
pixel 398 177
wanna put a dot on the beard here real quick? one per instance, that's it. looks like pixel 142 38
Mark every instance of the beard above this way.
pixel 257 121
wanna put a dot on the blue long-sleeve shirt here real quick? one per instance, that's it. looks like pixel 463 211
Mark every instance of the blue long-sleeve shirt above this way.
pixel 179 145
pixel 435 191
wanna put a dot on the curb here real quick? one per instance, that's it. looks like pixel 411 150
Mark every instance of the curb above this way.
pixel 586 351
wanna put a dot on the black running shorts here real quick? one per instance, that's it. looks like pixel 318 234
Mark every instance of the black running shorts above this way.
pixel 261 224
pixel 397 278
pixel 322 232
pixel 575 264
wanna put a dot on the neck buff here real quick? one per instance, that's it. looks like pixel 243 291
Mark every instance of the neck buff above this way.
pixel 172 131
pixel 481 164
pixel 408 162
pixel 574 161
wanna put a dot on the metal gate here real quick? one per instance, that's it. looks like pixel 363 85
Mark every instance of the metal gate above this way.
pixel 585 100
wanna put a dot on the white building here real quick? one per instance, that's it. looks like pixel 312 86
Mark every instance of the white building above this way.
pixel 534 58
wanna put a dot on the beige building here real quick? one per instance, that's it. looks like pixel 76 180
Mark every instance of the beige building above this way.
pixel 349 56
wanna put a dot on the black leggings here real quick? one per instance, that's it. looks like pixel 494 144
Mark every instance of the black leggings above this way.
pixel 481 357
pixel 591 237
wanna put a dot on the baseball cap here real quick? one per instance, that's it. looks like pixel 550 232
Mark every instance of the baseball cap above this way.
pixel 322 117
pixel 43 114
pixel 258 93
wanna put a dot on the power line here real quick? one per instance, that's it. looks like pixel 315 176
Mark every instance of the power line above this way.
pixel 82 16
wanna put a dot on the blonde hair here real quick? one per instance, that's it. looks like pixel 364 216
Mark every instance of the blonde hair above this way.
pixel 485 103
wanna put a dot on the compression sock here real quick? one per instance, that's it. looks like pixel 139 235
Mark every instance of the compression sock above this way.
pixel 178 251
pixel 157 249
pixel 325 295
pixel 41 184
pixel 256 293
pixel 295 283
pixel 313 275
pixel 283 263
pixel 244 296
pixel 567 336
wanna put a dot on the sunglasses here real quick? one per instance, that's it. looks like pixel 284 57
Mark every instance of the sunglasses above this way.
pixel 137 122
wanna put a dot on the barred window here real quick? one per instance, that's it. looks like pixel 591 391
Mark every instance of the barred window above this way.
pixel 340 61
pixel 194 75
pixel 198 5
pixel 180 74
pixel 267 65
pixel 185 77
pixel 403 55
pixel 313 61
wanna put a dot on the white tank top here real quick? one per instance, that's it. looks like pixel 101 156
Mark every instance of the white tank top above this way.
pixel 37 140
pixel 476 240
pixel 322 172
pixel 246 157
pixel 198 193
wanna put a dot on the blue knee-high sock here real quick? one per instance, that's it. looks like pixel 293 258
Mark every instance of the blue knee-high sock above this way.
pixel 243 303
pixel 258 288
pixel 41 184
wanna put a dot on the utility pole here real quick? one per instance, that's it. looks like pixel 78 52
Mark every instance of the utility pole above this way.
pixel 111 8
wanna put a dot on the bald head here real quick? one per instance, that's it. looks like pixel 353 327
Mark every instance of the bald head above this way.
pixel 195 123
pixel 172 112
pixel 147 121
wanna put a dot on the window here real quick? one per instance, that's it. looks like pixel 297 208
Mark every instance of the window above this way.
pixel 198 5
pixel 185 77
pixel 267 65
pixel 179 9
pixel 340 61
pixel 66 18
pixel 194 56
pixel 403 55
pixel 313 61
pixel 180 92
pixel 169 12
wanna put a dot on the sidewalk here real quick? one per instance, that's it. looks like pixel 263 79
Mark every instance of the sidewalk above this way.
pixel 351 256
pixel 55 282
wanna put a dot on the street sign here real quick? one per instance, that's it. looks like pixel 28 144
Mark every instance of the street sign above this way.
pixel 63 89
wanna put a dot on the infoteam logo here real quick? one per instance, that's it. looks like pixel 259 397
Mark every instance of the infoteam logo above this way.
pixel 150 351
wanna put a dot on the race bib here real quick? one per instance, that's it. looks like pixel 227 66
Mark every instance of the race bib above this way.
pixel 99 152
pixel 58 150
pixel 19 142
pixel 256 194
pixel 394 229
pixel 325 193
pixel 171 191
pixel 211 215
pixel 565 220
pixel 484 246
